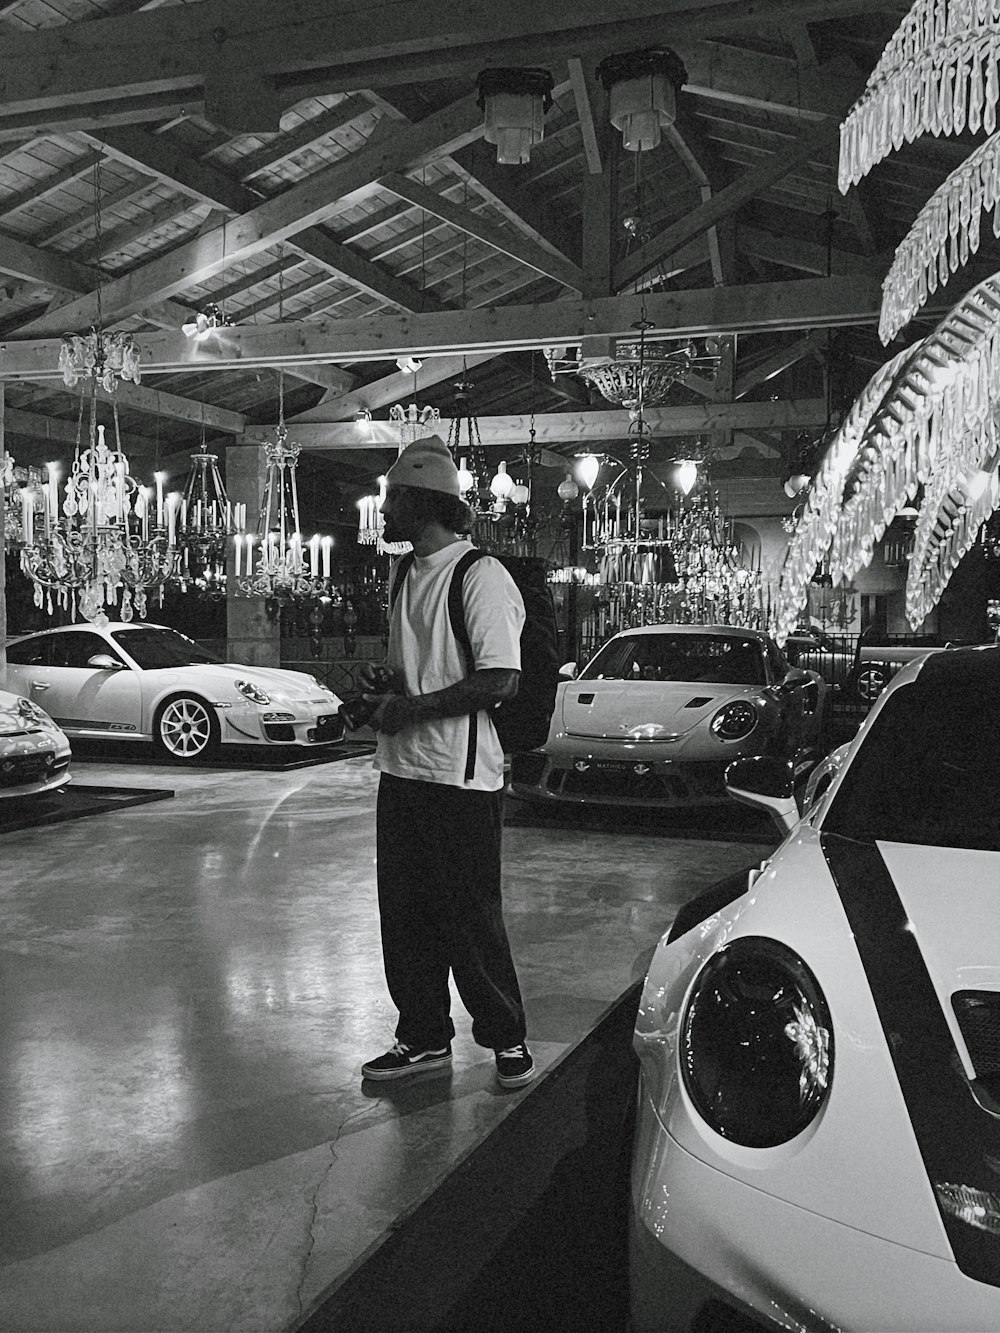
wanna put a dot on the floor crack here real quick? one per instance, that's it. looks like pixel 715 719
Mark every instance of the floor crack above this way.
pixel 314 1201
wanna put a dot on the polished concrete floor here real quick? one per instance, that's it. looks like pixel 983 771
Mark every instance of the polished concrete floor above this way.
pixel 188 991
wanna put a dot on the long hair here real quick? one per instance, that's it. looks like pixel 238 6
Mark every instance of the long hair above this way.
pixel 439 507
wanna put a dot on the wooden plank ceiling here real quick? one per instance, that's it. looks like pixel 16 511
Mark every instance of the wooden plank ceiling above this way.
pixel 316 169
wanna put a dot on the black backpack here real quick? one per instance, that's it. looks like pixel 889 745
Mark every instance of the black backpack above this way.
pixel 521 723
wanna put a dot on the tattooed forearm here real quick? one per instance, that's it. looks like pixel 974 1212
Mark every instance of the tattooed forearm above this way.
pixel 480 690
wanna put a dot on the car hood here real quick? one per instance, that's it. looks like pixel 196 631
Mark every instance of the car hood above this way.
pixel 12 720
pixel 273 680
pixel 642 709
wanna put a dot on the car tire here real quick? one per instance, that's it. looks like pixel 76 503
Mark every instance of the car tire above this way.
pixel 870 683
pixel 185 729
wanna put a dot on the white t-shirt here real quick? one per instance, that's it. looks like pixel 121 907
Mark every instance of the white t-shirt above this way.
pixel 425 652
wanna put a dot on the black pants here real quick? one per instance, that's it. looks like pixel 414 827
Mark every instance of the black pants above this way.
pixel 439 901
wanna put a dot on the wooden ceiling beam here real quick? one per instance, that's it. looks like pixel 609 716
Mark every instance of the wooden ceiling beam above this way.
pixel 573 427
pixel 67 117
pixel 278 219
pixel 807 304
pixel 277 51
pixel 813 142
pixel 47 267
pixel 38 189
pixel 774 365
pixel 517 247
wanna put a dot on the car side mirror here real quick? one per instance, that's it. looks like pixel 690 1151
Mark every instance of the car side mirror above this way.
pixel 766 784
pixel 105 662
pixel 568 671
pixel 793 678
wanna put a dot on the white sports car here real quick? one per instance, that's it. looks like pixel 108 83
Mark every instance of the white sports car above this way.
pixel 818 1137
pixel 34 753
pixel 658 713
pixel 150 683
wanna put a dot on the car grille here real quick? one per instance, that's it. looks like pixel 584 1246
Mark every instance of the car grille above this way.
pixel 329 727
pixel 20 769
pixel 618 778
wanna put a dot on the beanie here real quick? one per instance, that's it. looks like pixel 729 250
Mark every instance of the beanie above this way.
pixel 426 464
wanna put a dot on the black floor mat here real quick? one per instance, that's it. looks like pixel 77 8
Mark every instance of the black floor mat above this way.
pixel 75 801
pixel 231 756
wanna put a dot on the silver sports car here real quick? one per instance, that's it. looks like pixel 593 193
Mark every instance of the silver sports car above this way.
pixel 150 683
pixel 658 713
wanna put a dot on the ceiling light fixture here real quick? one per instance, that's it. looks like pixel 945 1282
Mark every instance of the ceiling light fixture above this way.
pixel 642 91
pixel 515 102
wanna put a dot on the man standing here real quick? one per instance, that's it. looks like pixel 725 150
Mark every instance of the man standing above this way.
pixel 439 817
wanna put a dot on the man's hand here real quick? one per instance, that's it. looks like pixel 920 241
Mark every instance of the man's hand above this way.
pixel 377 678
pixel 393 713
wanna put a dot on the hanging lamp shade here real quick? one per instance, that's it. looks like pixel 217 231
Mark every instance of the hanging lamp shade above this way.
pixel 587 469
pixel 515 102
pixel 687 475
pixel 642 94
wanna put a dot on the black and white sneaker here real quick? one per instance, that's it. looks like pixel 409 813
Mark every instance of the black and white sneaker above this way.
pixel 403 1060
pixel 515 1066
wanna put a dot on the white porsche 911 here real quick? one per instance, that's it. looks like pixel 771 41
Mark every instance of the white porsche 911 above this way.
pixel 818 1138
pixel 150 683
pixel 658 713
pixel 34 753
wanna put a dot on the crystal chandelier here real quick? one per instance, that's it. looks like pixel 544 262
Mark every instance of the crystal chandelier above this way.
pixel 937 75
pixel 282 568
pixel 101 547
pixel 621 377
pixel 99 354
pixel 681 565
pixel 207 521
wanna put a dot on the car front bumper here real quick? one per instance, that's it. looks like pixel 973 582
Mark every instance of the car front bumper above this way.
pixel 591 777
pixel 700 1240
pixel 32 770
pixel 278 726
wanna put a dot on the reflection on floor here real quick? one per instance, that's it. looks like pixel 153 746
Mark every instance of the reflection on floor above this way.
pixel 189 989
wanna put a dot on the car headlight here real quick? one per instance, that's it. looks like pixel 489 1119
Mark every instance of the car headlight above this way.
pixel 756 1048
pixel 32 713
pixel 252 692
pixel 734 722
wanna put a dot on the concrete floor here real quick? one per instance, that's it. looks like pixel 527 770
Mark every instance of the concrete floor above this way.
pixel 188 991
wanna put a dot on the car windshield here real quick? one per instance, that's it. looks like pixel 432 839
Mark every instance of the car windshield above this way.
pixel 929 770
pixel 713 658
pixel 150 648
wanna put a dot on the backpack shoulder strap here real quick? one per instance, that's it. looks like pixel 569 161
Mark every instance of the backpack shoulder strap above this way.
pixel 456 614
pixel 399 572
pixel 456 605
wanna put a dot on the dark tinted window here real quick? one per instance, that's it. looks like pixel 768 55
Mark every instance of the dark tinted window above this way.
pixel 30 652
pixel 150 647
pixel 929 769
pixel 76 647
pixel 711 658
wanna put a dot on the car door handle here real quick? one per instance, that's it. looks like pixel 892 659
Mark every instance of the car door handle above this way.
pixel 40 685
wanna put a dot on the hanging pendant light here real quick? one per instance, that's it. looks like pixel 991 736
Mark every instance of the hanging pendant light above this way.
pixel 284 568
pixel 687 474
pixel 207 521
pixel 515 102
pixel 642 91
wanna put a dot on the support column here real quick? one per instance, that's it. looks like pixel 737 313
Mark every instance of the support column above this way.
pixel 251 638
